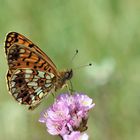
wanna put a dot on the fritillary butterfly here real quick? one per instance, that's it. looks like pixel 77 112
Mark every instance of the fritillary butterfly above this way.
pixel 32 75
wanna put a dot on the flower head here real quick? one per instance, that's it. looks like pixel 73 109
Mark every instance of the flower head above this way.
pixel 68 115
pixel 76 135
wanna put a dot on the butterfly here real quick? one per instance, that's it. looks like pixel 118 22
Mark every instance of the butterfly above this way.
pixel 31 75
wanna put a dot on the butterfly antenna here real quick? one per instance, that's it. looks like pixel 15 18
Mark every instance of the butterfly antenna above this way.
pixel 81 66
pixel 76 52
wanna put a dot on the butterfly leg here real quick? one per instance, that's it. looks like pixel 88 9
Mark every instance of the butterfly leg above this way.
pixel 54 96
pixel 71 85
pixel 70 88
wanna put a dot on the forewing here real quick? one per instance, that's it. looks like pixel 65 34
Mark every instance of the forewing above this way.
pixel 14 37
pixel 20 56
pixel 29 86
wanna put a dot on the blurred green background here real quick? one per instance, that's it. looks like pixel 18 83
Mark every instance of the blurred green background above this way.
pixel 106 33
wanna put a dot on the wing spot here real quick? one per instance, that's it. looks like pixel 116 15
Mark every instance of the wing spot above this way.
pixel 47 85
pixel 8 44
pixel 11 51
pixel 12 84
pixel 48 77
pixel 18 71
pixel 22 51
pixel 19 100
pixel 35 67
pixel 35 88
pixel 12 35
pixel 41 82
pixel 30 54
pixel 48 81
pixel 16 40
pixel 14 54
pixel 15 95
pixel 13 90
pixel 27 63
pixel 9 39
pixel 32 84
pixel 31 45
pixel 32 97
pixel 20 81
pixel 41 95
pixel 29 71
pixel 41 74
pixel 38 90
pixel 51 75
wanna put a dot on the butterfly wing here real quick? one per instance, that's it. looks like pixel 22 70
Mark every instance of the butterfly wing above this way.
pixel 16 38
pixel 28 68
pixel 20 56
pixel 29 86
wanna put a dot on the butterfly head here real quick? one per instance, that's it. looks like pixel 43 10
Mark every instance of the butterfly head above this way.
pixel 67 75
pixel 64 76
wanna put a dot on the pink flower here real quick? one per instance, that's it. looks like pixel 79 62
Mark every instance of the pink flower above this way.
pixel 76 135
pixel 68 115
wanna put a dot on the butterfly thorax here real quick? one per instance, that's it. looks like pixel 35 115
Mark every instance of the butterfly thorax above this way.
pixel 62 78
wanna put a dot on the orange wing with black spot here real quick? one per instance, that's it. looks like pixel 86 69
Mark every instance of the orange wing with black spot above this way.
pixel 14 40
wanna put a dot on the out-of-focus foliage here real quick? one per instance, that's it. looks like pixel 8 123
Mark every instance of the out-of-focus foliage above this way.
pixel 106 33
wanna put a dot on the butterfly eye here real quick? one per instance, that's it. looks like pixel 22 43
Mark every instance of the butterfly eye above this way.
pixel 69 75
pixel 66 74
